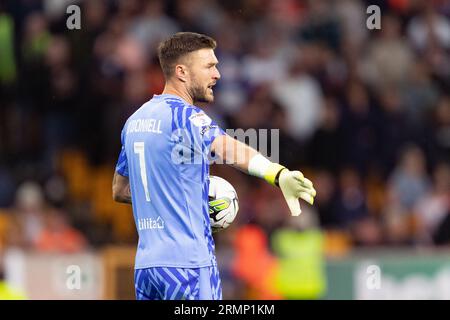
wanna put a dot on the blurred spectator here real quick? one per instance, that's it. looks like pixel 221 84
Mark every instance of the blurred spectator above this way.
pixel 232 91
pixel 352 16
pixel 254 264
pixel 321 24
pixel 325 200
pixel 419 94
pixel 326 146
pixel 407 185
pixel 393 131
pixel 409 182
pixel 266 62
pixel 62 96
pixel 351 203
pixel 433 210
pixel 428 28
pixel 389 58
pixel 198 15
pixel 429 33
pixel 441 129
pixel 58 236
pixel 291 152
pixel 152 26
pixel 359 122
pixel 256 113
pixel 36 37
pixel 94 15
pixel 367 232
pixel 271 210
pixel 396 226
pixel 28 215
pixel 301 95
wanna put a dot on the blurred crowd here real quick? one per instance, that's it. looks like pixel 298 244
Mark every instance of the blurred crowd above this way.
pixel 365 113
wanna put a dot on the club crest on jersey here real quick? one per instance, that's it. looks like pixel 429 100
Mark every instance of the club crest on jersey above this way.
pixel 200 119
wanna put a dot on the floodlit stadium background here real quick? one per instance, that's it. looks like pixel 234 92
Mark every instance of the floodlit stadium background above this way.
pixel 364 113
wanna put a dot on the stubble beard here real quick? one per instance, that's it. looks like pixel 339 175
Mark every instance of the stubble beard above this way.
pixel 200 94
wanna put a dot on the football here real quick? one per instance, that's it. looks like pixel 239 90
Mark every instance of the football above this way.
pixel 223 203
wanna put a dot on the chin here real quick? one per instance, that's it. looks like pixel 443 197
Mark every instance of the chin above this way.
pixel 208 98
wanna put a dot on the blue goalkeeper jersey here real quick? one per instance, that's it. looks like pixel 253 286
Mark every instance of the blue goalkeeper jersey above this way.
pixel 165 153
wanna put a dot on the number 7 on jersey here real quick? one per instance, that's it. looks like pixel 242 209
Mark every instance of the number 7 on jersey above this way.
pixel 139 148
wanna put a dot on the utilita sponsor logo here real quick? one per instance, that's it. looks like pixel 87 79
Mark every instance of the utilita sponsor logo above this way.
pixel 149 223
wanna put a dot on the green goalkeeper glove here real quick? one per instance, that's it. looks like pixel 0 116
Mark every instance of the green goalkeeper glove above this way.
pixel 293 185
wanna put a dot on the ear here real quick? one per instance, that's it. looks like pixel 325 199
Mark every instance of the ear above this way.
pixel 181 72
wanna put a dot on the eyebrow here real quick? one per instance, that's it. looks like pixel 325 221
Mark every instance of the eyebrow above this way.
pixel 212 64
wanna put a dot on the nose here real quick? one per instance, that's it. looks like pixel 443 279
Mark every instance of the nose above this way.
pixel 216 74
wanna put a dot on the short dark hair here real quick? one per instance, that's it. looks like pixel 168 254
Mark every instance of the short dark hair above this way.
pixel 178 45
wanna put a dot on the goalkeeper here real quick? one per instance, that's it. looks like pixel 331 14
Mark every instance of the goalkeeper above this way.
pixel 175 256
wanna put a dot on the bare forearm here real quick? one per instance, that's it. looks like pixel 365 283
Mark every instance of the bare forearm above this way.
pixel 121 189
pixel 234 152
pixel 246 159
pixel 126 198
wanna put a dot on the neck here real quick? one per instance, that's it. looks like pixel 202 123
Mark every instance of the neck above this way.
pixel 180 92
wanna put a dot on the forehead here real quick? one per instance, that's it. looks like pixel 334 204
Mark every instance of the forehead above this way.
pixel 203 56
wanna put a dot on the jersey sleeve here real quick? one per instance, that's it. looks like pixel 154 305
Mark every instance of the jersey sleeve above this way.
pixel 122 163
pixel 203 127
